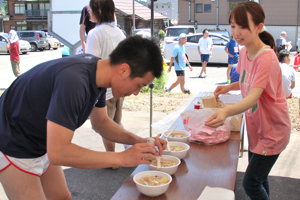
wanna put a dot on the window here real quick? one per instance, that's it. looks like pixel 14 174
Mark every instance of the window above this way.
pixel 199 8
pixel 19 8
pixel 232 5
pixel 207 7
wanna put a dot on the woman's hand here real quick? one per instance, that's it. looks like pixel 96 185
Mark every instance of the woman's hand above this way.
pixel 221 90
pixel 217 119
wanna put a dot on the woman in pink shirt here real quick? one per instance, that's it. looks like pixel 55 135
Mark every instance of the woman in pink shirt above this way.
pixel 264 103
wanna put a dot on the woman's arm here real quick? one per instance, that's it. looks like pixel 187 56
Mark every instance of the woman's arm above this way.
pixel 218 118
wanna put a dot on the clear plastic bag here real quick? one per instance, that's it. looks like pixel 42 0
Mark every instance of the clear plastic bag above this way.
pixel 194 122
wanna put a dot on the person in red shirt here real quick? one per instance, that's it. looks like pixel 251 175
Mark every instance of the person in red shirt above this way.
pixel 14 52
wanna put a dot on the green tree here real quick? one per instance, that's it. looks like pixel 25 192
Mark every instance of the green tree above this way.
pixel 4 9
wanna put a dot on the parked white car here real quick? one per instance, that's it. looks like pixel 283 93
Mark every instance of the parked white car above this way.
pixel 52 43
pixel 24 46
pixel 174 31
pixel 191 48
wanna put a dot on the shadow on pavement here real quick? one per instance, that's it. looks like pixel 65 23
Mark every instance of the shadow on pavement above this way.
pixel 281 188
pixel 100 184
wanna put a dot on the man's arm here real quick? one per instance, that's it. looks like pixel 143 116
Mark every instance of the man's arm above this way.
pixel 82 36
pixel 107 128
pixel 61 151
pixel 171 64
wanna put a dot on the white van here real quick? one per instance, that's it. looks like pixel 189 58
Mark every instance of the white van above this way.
pixel 174 31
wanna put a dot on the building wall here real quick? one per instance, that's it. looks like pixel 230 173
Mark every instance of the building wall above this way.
pixel 16 19
pixel 280 15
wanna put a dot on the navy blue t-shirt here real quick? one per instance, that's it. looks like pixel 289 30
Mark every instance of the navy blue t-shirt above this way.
pixel 63 91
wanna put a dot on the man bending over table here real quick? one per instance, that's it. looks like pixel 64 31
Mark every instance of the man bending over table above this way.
pixel 43 107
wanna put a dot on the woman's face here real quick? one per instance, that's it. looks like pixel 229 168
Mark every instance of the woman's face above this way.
pixel 243 35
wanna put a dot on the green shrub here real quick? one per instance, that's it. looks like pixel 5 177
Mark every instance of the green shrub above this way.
pixel 161 34
pixel 159 82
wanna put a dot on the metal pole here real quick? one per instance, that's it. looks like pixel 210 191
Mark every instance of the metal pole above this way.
pixel 217 14
pixel 152 19
pixel 133 15
pixel 151 85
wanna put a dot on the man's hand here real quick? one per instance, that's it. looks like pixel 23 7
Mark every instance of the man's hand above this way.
pixel 141 153
pixel 161 145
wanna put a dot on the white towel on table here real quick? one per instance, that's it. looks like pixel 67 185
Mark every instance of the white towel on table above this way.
pixel 213 193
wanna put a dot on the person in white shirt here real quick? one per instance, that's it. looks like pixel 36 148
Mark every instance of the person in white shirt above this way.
pixel 288 73
pixel 101 41
pixel 281 42
pixel 205 48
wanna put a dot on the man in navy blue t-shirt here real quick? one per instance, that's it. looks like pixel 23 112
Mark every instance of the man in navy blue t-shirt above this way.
pixel 43 107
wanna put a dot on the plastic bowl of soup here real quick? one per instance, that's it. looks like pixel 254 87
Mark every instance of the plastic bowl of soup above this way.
pixel 178 136
pixel 152 183
pixel 178 149
pixel 168 164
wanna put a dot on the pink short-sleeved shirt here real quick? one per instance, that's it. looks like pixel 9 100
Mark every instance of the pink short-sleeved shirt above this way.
pixel 268 122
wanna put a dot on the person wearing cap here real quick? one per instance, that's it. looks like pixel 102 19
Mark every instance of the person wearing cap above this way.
pixel 205 48
pixel 14 52
pixel 181 60
pixel 281 42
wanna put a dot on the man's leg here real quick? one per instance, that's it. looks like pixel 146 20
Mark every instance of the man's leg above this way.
pixel 20 185
pixel 174 84
pixel 182 83
pixel 54 184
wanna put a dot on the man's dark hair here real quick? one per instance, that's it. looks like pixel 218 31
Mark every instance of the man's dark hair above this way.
pixel 103 10
pixel 204 31
pixel 142 55
pixel 282 54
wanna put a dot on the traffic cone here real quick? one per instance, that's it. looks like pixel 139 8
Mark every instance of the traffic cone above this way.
pixel 297 60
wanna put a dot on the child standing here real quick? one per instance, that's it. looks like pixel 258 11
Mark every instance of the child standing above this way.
pixel 264 104
pixel 232 49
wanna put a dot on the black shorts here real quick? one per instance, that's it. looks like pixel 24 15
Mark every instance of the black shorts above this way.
pixel 180 73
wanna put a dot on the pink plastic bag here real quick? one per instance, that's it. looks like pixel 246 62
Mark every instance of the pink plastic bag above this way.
pixel 193 121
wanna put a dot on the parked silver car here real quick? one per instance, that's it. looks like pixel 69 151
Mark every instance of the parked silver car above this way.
pixel 37 39
pixel 24 46
pixel 191 48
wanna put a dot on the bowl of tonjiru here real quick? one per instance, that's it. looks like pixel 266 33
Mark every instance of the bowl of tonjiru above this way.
pixel 178 135
pixel 177 149
pixel 165 163
pixel 152 183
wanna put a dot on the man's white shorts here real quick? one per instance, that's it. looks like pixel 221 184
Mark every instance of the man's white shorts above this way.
pixel 36 166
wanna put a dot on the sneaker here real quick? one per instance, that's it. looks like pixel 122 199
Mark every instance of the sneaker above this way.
pixel 167 90
pixel 204 76
pixel 228 81
pixel 187 91
pixel 201 76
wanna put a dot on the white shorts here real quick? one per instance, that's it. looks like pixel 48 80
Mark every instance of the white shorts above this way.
pixel 36 166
